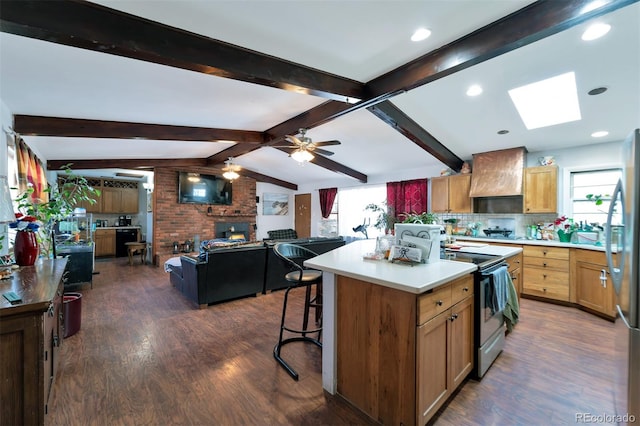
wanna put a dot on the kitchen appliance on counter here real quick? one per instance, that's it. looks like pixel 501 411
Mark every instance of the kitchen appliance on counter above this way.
pixel 489 333
pixel 500 228
pixel 623 227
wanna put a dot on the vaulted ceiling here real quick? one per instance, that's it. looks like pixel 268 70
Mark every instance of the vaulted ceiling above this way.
pixel 130 84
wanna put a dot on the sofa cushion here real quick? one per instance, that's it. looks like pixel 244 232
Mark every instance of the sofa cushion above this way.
pixel 283 234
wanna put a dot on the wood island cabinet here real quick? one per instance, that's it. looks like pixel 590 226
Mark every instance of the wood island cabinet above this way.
pixel 592 281
pixel 31 336
pixel 450 194
pixel 105 241
pixel 546 272
pixel 401 355
pixel 541 189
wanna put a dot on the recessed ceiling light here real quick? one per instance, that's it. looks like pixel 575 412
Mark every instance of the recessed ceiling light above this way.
pixel 547 102
pixel 503 132
pixel 600 134
pixel 595 31
pixel 597 91
pixel 474 90
pixel 420 34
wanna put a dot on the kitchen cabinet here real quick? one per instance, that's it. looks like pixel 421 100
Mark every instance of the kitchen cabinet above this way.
pixel 116 196
pixel 31 336
pixel 546 272
pixel 450 194
pixel 396 372
pixel 105 241
pixel 444 356
pixel 541 189
pixel 592 281
pixel 119 200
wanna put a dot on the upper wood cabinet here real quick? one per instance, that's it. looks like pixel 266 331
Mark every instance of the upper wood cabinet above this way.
pixel 116 196
pixel 450 194
pixel 541 189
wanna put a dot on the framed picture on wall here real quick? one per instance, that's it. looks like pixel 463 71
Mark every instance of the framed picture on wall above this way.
pixel 275 204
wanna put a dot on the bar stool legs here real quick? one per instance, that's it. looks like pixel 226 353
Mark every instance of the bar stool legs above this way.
pixel 303 332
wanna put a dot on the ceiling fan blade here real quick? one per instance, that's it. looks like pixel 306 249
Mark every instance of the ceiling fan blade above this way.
pixel 294 140
pixel 284 146
pixel 321 151
pixel 327 143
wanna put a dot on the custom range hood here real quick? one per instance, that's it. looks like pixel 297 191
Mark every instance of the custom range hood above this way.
pixel 497 181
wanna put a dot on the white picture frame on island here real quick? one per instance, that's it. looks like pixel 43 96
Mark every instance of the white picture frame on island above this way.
pixel 275 204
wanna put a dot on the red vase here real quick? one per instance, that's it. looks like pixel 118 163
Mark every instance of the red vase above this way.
pixel 26 248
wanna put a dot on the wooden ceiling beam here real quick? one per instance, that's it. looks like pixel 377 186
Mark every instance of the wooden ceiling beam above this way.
pixel 393 116
pixel 29 125
pixel 122 163
pixel 94 27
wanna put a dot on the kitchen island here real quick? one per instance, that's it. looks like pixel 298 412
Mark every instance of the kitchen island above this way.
pixel 397 339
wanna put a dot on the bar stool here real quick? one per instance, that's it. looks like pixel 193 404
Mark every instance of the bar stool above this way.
pixel 293 256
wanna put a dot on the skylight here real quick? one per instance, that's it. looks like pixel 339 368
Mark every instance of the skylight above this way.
pixel 547 102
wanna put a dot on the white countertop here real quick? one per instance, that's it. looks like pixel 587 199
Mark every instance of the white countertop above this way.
pixel 348 261
pixel 117 227
pixel 491 250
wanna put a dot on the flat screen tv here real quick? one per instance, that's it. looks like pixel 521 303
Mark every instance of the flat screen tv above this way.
pixel 198 188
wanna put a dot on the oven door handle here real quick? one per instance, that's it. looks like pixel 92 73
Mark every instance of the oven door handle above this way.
pixel 487 272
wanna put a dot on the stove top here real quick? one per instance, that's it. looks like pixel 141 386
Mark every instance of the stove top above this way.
pixel 483 261
pixel 498 232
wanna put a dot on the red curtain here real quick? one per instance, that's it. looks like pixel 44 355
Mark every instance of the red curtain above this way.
pixel 408 196
pixel 327 197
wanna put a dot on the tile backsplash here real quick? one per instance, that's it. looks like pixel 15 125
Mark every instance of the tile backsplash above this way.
pixel 522 221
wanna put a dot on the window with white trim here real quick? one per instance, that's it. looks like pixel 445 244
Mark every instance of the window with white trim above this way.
pixel 600 183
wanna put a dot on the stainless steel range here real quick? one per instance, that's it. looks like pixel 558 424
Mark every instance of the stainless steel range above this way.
pixel 489 336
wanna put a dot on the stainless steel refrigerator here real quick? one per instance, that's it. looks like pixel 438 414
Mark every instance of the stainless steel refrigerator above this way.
pixel 623 256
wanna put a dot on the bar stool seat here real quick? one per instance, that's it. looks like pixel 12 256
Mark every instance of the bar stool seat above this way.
pixel 293 256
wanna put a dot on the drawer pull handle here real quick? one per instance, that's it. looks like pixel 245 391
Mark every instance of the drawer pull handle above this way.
pixel 544 289
pixel 544 264
pixel 439 303
pixel 465 289
pixel 544 276
pixel 603 278
pixel 453 317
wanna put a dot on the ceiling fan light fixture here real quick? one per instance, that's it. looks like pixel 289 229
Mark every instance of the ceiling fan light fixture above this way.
pixel 302 155
pixel 231 170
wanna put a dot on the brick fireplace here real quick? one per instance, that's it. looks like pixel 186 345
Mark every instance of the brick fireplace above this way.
pixel 180 222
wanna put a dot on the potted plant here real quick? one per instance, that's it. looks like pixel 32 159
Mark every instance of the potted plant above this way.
pixel 423 218
pixel 385 219
pixel 70 190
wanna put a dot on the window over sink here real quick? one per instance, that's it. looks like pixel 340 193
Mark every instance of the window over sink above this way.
pixel 596 182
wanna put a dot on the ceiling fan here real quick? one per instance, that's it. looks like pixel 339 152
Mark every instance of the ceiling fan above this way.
pixel 302 148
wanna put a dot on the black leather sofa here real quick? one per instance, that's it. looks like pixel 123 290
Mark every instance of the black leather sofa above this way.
pixel 228 273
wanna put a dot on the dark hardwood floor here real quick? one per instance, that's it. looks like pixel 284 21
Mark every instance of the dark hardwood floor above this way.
pixel 146 356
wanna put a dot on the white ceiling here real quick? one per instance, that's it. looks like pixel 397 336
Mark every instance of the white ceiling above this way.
pixel 355 39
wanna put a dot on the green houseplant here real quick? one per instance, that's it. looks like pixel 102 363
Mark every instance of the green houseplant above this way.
pixel 423 218
pixel 69 192
pixel 385 218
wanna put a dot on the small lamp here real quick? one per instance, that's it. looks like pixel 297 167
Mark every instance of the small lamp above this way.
pixel 6 205
pixel 148 186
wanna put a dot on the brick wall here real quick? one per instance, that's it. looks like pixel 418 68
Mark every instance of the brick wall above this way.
pixel 180 222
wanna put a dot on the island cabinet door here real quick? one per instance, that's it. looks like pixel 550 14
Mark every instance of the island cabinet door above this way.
pixel 461 351
pixel 431 369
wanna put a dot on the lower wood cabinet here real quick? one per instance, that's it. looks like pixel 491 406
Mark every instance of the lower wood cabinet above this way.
pixel 31 336
pixel 546 272
pixel 105 241
pixel 444 356
pixel 401 355
pixel 592 281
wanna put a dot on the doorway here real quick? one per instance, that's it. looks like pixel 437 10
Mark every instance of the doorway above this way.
pixel 303 215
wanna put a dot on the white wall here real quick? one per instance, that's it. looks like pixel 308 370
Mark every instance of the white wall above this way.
pixel 271 222
pixel 6 121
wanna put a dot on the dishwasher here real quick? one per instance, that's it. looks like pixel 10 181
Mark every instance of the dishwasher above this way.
pixel 124 236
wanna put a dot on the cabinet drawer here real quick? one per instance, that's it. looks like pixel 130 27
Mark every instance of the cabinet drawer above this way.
pixel 461 289
pixel 546 252
pixel 433 303
pixel 544 283
pixel 559 265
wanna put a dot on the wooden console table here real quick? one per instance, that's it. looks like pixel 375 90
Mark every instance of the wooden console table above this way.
pixel 31 334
